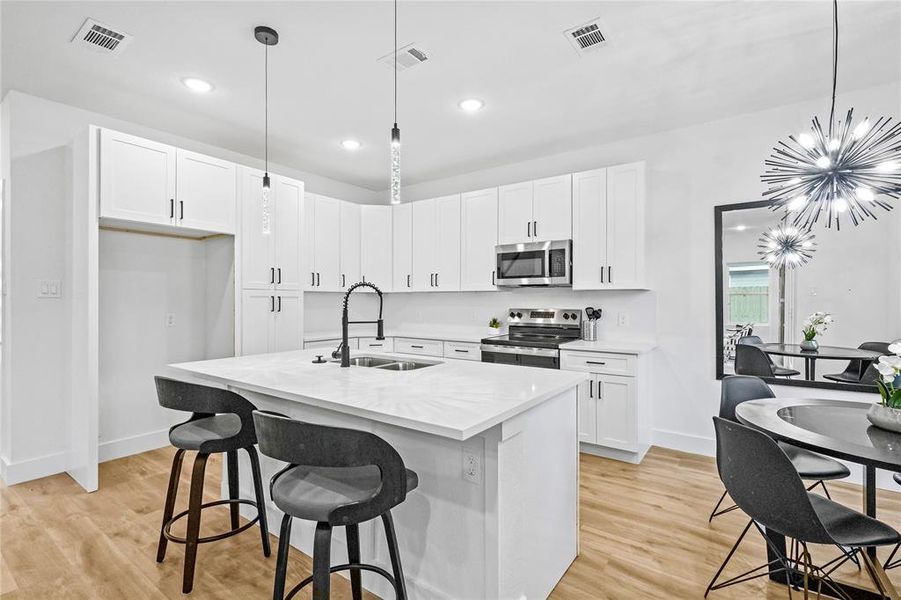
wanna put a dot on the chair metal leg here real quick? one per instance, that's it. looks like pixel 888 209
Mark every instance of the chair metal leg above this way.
pixel 281 563
pixel 322 545
pixel 169 509
pixel 728 557
pixel 400 586
pixel 888 564
pixel 260 497
pixel 880 579
pixel 353 557
pixel 231 459
pixel 194 510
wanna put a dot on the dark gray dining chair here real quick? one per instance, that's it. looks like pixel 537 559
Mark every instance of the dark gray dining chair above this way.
pixel 764 483
pixel 757 362
pixel 222 421
pixel 335 477
pixel 809 465
pixel 860 370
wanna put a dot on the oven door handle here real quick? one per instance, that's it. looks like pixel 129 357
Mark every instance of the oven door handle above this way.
pixel 520 350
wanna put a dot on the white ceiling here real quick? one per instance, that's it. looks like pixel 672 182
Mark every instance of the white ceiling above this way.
pixel 668 63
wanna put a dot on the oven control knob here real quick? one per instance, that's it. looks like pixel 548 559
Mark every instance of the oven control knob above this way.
pixel 512 315
pixel 519 315
pixel 566 315
pixel 573 316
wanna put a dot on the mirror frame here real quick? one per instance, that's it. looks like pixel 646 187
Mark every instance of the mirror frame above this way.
pixel 720 323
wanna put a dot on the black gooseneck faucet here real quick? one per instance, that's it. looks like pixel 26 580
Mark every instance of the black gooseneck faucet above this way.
pixel 344 349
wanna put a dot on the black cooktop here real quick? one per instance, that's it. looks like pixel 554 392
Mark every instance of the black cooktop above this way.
pixel 531 339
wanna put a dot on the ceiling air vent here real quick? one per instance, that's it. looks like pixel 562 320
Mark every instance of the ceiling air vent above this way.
pixel 586 37
pixel 101 38
pixel 407 57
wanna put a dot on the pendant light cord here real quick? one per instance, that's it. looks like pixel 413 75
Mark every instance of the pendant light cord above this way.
pixel 834 60
pixel 266 94
pixel 395 63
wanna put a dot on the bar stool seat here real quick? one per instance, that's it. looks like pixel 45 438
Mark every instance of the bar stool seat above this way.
pixel 312 493
pixel 218 428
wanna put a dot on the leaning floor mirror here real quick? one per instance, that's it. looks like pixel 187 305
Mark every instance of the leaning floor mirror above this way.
pixel 820 319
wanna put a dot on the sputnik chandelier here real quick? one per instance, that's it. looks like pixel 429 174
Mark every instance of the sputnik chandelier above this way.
pixel 837 170
pixel 786 245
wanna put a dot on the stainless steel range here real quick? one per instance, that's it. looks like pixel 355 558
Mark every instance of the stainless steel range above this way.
pixel 534 338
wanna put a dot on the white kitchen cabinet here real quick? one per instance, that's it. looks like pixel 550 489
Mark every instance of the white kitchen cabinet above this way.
pixel 588 412
pixel 330 345
pixel 270 232
pixel 349 254
pixel 535 211
pixel 436 244
pixel 463 350
pixel 478 238
pixel 616 415
pixel 402 247
pixel 375 246
pixel 271 321
pixel 137 179
pixel 322 229
pixel 608 228
pixel 418 346
pixel 287 323
pixel 205 192
pixel 376 345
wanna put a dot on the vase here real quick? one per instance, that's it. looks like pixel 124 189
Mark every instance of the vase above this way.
pixel 493 331
pixel 884 417
pixel 809 345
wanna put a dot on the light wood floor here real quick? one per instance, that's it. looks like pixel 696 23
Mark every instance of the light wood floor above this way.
pixel 644 534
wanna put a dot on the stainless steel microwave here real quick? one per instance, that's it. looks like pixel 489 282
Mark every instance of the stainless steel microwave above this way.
pixel 535 264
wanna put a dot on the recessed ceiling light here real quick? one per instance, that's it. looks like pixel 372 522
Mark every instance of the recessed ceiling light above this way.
pixel 198 86
pixel 740 227
pixel 471 105
pixel 351 145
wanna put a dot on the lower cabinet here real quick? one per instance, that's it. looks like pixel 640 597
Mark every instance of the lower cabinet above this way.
pixel 330 344
pixel 615 412
pixel 417 346
pixel 376 345
pixel 463 350
pixel 270 322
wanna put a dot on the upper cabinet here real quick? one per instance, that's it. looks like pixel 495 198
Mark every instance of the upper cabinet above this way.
pixel 402 247
pixel 608 228
pixel 322 239
pixel 436 244
pixel 535 211
pixel 145 182
pixel 375 246
pixel 349 252
pixel 478 220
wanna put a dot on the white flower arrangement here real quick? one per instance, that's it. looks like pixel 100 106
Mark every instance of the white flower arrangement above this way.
pixel 889 368
pixel 816 324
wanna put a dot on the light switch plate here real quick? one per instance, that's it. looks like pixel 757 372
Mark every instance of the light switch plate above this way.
pixel 49 288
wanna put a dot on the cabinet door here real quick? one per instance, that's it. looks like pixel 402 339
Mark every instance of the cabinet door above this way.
pixel 326 234
pixel 514 213
pixel 257 233
pixel 402 247
pixel 616 412
pixel 589 229
pixel 257 316
pixel 625 224
pixel 349 259
pixel 205 192
pixel 375 246
pixel 447 246
pixel 588 411
pixel 288 227
pixel 478 229
pixel 288 323
pixel 137 179
pixel 552 208
pixel 424 245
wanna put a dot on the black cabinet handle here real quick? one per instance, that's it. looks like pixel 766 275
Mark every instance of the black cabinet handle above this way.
pixel 171 208
pixel 463 351
pixel 602 274
pixel 279 304
pixel 279 275
pixel 271 274
pixel 609 274
pixel 535 228
pixel 592 362
pixel 408 280
pixel 415 346
pixel 181 209
pixel 342 280
pixel 492 278
pixel 364 279
pixel 271 303
pixel 317 279
pixel 591 388
pixel 528 229
pixel 376 345
pixel 436 279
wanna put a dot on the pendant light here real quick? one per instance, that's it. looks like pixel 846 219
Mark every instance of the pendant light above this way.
pixel 839 170
pixel 395 130
pixel 786 245
pixel 268 37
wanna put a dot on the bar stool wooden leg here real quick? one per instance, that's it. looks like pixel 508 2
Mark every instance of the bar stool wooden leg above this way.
pixel 171 494
pixel 353 557
pixel 194 510
pixel 231 458
pixel 322 545
pixel 281 563
pixel 261 498
pixel 401 586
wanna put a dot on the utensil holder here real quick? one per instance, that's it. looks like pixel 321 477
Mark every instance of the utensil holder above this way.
pixel 590 330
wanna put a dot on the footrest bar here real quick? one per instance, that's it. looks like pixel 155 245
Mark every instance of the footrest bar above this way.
pixel 219 536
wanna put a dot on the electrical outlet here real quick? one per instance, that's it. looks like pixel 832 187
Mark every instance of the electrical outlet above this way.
pixel 472 467
pixel 623 319
pixel 170 319
pixel 49 288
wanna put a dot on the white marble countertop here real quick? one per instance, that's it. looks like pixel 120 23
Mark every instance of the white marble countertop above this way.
pixel 455 399
pixel 444 333
pixel 615 346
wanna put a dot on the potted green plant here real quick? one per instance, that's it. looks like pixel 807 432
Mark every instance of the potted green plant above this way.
pixel 495 326
pixel 814 325
pixel 887 413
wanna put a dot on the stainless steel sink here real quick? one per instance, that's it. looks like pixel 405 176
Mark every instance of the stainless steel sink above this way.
pixel 406 365
pixel 368 361
pixel 389 364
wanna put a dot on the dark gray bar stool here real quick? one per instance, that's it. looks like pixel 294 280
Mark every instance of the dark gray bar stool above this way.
pixel 337 478
pixel 222 422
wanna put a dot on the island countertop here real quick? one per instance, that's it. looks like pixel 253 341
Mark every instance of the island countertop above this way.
pixel 455 398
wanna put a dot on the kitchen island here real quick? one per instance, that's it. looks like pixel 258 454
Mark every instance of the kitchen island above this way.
pixel 495 447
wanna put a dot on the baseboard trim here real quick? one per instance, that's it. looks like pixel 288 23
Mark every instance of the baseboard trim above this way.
pixel 35 468
pixel 135 444
pixel 695 444
pixel 624 455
